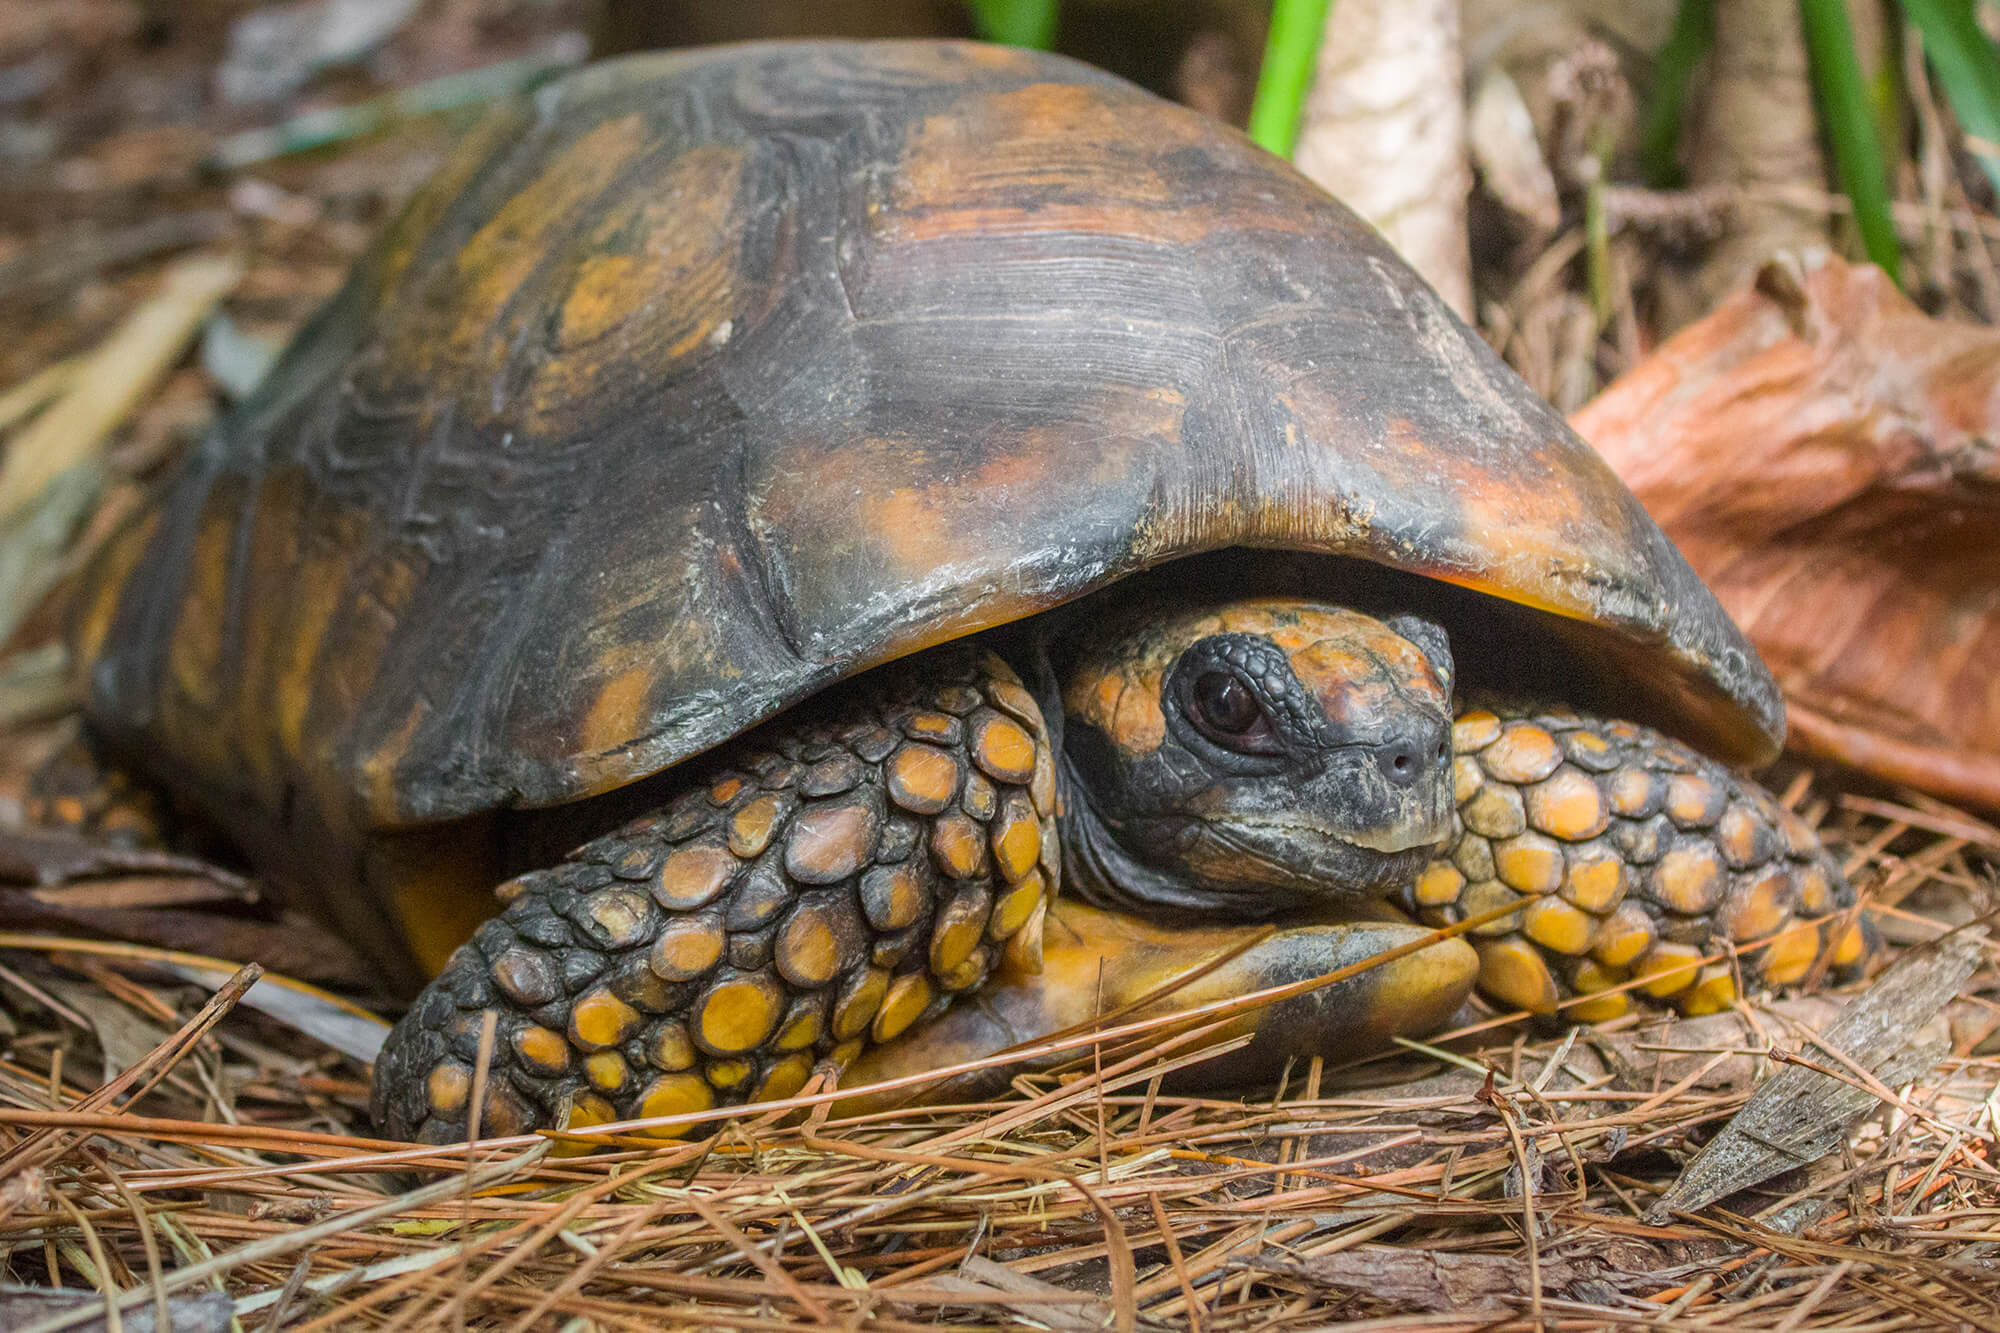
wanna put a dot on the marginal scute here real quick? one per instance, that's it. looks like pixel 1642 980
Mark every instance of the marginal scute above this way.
pixel 1693 802
pixel 1495 812
pixel 1593 877
pixel 600 1020
pixel 527 977
pixel 958 846
pixel 1623 936
pixel 687 947
pixel 1486 896
pixel 1668 969
pixel 1016 836
pixel 1567 805
pixel 960 924
pixel 736 1013
pixel 1512 971
pixel 1689 879
pixel 1555 924
pixel 1474 731
pixel 1013 908
pixel 751 827
pixel 541 1049
pixel 858 1000
pixel 1000 747
pixel 1529 863
pixel 831 841
pixel 694 875
pixel 674 1094
pixel 906 1000
pixel 818 939
pixel 447 1088
pixel 923 779
pixel 1524 753
pixel 1439 885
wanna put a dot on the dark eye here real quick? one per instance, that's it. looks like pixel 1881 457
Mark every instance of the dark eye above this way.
pixel 1224 705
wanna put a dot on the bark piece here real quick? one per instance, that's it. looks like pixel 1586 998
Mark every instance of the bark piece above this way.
pixel 1423 1279
pixel 1799 1115
pixel 1384 130
pixel 1757 132
pixel 208 1312
pixel 1822 451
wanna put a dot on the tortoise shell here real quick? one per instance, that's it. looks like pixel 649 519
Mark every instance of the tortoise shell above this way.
pixel 704 380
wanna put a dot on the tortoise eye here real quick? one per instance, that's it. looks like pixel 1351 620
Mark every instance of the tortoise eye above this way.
pixel 1224 706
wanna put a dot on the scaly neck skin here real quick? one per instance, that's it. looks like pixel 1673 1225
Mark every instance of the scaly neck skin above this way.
pixel 1103 873
pixel 1097 868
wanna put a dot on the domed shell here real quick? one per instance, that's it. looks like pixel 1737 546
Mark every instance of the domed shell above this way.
pixel 707 379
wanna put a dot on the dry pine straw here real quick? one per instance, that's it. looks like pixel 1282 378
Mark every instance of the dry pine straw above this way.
pixel 227 1160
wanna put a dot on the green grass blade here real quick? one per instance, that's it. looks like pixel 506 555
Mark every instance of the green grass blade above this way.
pixel 1660 135
pixel 1967 68
pixel 1849 121
pixel 1030 23
pixel 1289 55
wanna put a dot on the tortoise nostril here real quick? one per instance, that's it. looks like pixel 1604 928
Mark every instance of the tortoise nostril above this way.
pixel 1401 761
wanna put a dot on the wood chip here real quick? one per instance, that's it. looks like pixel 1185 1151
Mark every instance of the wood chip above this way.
pixel 1800 1115
pixel 1427 1280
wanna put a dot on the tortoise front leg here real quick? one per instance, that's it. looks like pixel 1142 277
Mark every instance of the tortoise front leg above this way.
pixel 837 877
pixel 1638 859
pixel 1098 962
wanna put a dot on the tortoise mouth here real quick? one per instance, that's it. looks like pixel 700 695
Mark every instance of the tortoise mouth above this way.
pixel 1306 863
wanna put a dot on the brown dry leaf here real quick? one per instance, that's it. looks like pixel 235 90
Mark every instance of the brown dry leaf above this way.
pixel 1823 453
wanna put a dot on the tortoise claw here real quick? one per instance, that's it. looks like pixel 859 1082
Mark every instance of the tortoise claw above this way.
pixel 1099 962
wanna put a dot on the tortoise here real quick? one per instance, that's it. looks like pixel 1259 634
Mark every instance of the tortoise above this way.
pixel 781 512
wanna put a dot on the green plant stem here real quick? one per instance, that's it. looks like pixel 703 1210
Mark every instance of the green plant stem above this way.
pixel 1289 55
pixel 1597 229
pixel 1660 136
pixel 1967 68
pixel 1029 23
pixel 1849 121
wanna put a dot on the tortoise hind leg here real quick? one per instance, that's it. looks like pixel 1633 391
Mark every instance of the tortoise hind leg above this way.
pixel 837 876
pixel 81 789
pixel 1638 859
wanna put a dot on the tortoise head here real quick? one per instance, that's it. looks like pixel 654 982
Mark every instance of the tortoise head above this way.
pixel 1254 757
